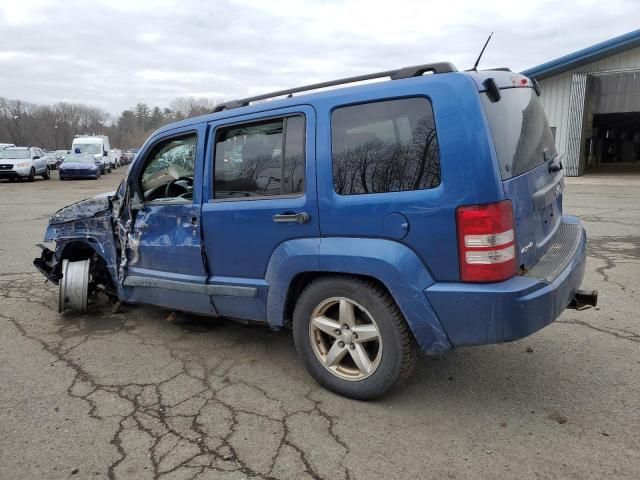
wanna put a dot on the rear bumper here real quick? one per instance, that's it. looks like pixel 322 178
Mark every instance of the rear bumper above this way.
pixel 477 314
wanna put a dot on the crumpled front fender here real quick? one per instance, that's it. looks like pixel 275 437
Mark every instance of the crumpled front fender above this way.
pixel 95 232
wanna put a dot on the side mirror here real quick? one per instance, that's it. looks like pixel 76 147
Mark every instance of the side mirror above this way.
pixel 105 154
pixel 36 157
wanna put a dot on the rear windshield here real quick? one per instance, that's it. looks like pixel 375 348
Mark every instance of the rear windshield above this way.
pixel 521 134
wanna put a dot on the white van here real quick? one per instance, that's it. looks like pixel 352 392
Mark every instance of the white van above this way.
pixel 96 145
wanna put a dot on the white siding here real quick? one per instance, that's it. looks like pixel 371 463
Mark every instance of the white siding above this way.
pixel 556 90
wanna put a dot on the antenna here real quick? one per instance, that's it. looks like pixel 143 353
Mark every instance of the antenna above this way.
pixel 475 65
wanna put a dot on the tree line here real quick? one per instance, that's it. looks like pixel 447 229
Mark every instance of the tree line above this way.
pixel 53 126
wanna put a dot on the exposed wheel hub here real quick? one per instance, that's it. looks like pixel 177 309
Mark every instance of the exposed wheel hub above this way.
pixel 74 286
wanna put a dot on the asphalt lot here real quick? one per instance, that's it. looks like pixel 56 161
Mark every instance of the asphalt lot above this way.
pixel 142 395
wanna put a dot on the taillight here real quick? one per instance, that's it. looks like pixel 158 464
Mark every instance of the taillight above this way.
pixel 486 242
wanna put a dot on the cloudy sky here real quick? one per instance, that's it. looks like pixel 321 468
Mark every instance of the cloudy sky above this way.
pixel 112 54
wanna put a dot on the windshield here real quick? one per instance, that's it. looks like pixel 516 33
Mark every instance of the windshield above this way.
pixel 521 134
pixel 91 148
pixel 15 154
pixel 79 159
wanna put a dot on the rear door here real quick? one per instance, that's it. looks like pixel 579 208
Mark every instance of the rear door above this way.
pixel 529 166
pixel 263 194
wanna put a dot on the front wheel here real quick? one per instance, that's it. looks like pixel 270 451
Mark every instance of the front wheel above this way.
pixel 352 337
pixel 73 287
pixel 32 175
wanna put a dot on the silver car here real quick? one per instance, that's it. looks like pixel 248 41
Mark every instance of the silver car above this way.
pixel 23 163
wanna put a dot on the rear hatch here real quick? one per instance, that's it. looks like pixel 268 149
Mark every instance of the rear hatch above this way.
pixel 529 166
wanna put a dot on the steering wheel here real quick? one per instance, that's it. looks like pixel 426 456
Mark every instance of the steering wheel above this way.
pixel 173 185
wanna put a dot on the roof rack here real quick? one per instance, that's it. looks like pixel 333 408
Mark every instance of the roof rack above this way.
pixel 405 72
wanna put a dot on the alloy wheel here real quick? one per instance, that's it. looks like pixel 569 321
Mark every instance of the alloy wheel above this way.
pixel 345 339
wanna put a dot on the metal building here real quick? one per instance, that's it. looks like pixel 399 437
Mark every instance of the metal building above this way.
pixel 592 101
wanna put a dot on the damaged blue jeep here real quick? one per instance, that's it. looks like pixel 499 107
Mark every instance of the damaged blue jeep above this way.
pixel 419 213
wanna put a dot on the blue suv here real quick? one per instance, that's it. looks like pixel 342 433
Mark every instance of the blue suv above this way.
pixel 375 220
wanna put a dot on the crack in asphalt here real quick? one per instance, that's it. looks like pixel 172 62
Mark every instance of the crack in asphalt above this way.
pixel 208 429
pixel 616 332
pixel 606 217
pixel 608 250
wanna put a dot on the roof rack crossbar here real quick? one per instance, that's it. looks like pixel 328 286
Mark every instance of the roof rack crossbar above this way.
pixel 405 72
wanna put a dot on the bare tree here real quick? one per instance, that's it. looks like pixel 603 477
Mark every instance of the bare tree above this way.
pixel 187 107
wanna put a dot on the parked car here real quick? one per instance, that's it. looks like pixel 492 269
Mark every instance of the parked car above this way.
pixel 80 165
pixel 23 163
pixel 125 158
pixel 52 160
pixel 6 145
pixel 422 212
pixel 96 145
pixel 114 158
pixel 60 155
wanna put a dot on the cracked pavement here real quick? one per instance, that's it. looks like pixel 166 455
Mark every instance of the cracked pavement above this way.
pixel 147 395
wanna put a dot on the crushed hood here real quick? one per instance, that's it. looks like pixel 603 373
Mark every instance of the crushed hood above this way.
pixel 84 209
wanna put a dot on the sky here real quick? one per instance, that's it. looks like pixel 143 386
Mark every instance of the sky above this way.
pixel 113 54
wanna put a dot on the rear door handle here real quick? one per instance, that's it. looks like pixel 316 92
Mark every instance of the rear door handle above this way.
pixel 301 217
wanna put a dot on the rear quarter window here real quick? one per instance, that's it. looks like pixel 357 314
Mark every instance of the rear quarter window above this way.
pixel 385 146
pixel 520 131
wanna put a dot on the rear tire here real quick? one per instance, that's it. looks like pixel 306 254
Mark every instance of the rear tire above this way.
pixel 47 174
pixel 360 354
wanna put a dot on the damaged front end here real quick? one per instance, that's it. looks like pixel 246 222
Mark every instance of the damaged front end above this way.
pixel 83 231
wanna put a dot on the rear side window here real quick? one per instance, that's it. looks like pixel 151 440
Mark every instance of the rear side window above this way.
pixel 388 146
pixel 521 133
pixel 264 159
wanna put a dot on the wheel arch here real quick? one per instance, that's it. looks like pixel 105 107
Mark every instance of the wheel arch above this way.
pixel 391 264
pixel 85 249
